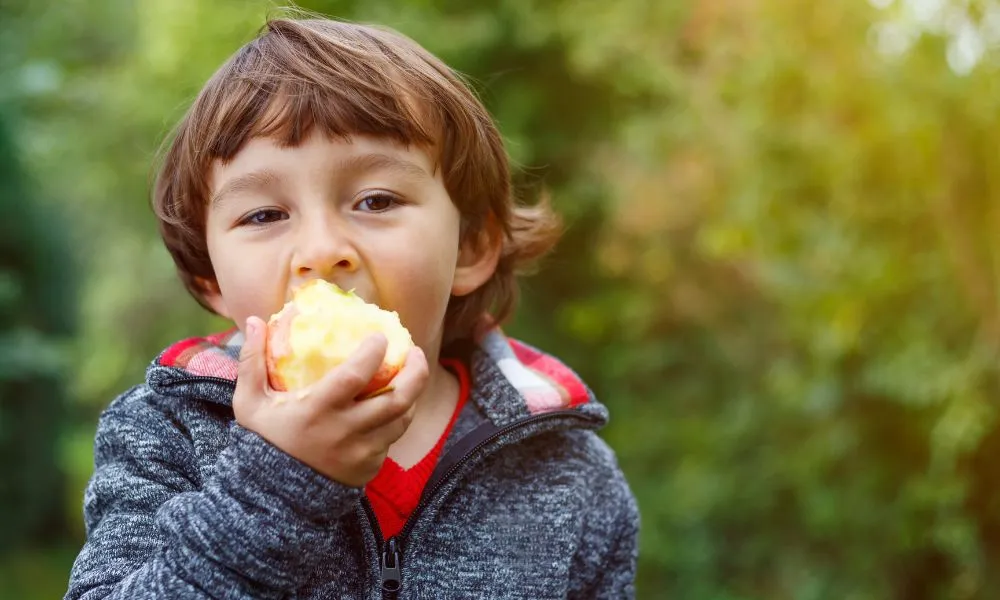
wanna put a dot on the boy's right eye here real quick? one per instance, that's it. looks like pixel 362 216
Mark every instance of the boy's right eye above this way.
pixel 264 216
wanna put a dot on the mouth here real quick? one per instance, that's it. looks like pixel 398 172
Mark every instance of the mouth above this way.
pixel 364 294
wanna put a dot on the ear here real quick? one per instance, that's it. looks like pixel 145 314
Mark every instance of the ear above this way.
pixel 213 296
pixel 477 259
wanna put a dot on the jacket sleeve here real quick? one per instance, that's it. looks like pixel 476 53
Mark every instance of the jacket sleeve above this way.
pixel 254 528
pixel 606 560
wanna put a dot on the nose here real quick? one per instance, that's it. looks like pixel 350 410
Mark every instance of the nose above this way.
pixel 324 249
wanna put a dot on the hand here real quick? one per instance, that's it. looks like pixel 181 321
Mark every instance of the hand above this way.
pixel 324 425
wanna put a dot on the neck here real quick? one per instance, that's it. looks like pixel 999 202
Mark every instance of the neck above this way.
pixel 442 389
pixel 434 408
pixel 442 385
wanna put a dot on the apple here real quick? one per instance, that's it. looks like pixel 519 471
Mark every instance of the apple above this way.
pixel 320 327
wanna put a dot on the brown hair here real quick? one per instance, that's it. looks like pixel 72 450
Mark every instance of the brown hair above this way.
pixel 349 79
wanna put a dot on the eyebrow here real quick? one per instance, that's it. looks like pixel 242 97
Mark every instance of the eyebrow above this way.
pixel 263 178
pixel 253 180
pixel 377 161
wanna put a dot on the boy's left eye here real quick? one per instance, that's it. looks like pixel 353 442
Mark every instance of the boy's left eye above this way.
pixel 377 202
pixel 263 217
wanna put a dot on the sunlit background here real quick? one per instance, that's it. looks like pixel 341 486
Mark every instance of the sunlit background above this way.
pixel 782 271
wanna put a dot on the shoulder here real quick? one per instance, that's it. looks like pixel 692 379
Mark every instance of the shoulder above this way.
pixel 582 464
pixel 573 477
pixel 137 400
pixel 142 422
pixel 138 421
pixel 144 404
pixel 592 448
pixel 139 410
pixel 595 463
pixel 580 450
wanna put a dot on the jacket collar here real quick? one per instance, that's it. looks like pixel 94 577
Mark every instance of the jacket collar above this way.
pixel 511 380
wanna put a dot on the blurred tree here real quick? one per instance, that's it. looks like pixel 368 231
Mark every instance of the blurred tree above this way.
pixel 804 234
pixel 37 315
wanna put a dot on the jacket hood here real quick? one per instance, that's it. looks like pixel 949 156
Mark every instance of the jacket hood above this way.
pixel 511 380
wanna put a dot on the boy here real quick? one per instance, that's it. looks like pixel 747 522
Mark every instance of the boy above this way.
pixel 348 153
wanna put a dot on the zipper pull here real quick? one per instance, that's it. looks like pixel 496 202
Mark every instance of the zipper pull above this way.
pixel 390 569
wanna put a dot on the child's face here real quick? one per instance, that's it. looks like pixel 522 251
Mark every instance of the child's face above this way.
pixel 369 215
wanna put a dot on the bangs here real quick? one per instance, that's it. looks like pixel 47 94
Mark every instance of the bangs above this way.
pixel 273 89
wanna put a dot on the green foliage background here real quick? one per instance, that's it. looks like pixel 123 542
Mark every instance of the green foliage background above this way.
pixel 782 272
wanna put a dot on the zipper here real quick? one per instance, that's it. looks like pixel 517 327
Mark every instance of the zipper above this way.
pixel 391 551
pixel 391 579
pixel 388 552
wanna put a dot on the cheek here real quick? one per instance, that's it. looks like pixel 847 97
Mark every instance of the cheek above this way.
pixel 420 289
pixel 250 282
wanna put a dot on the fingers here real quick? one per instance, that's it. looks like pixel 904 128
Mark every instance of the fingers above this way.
pixel 347 380
pixel 400 403
pixel 251 374
pixel 414 374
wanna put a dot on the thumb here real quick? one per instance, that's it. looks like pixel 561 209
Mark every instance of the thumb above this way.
pixel 251 375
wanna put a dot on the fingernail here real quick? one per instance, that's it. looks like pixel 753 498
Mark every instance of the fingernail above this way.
pixel 251 329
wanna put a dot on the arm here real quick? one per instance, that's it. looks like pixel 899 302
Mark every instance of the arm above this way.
pixel 605 563
pixel 255 528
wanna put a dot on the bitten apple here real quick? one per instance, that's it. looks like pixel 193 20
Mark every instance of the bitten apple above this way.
pixel 320 328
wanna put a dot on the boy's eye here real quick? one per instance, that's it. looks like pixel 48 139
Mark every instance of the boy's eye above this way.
pixel 377 202
pixel 264 217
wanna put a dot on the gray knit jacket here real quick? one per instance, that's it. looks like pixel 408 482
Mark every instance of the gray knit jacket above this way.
pixel 526 501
